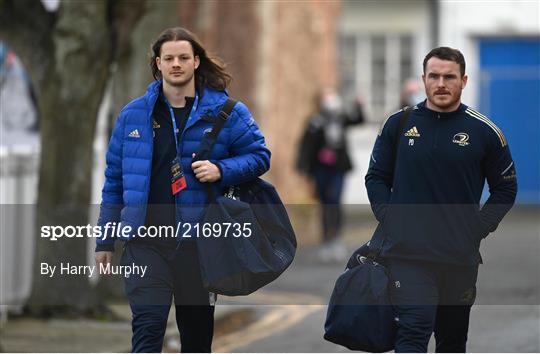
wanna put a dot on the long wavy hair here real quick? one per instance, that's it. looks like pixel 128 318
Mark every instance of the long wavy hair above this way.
pixel 211 71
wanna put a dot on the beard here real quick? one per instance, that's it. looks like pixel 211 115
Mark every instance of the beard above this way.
pixel 445 102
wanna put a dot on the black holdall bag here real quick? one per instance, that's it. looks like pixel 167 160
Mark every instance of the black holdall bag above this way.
pixel 360 314
pixel 254 254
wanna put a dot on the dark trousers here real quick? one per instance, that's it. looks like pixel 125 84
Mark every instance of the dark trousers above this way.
pixel 432 298
pixel 329 185
pixel 170 273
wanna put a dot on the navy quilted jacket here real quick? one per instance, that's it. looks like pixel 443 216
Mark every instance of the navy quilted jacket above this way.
pixel 240 153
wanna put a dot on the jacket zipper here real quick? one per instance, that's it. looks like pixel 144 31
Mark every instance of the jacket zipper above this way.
pixel 435 139
pixel 179 156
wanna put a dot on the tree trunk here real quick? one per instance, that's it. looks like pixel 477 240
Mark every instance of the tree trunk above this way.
pixel 70 98
pixel 70 66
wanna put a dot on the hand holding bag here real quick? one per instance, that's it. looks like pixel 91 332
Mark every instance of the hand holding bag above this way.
pixel 260 243
pixel 360 313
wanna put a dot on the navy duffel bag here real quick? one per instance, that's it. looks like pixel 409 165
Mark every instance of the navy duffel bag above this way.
pixel 239 265
pixel 260 243
pixel 360 315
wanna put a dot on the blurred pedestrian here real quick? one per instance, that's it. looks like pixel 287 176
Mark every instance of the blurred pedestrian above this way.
pixel 424 182
pixel 19 102
pixel 411 93
pixel 323 156
pixel 152 181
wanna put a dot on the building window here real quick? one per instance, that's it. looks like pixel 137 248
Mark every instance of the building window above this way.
pixel 378 70
pixel 375 67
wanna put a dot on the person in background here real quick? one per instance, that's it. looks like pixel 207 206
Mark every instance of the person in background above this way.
pixel 323 156
pixel 18 99
pixel 411 93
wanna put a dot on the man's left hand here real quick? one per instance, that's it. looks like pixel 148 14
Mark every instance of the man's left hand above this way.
pixel 205 171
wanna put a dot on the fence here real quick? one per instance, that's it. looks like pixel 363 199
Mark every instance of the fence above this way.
pixel 19 165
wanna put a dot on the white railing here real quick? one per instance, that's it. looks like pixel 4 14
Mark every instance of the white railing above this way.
pixel 19 166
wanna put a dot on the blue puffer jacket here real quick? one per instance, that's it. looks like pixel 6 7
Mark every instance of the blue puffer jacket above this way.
pixel 240 153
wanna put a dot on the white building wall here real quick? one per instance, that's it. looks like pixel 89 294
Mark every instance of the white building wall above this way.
pixel 462 22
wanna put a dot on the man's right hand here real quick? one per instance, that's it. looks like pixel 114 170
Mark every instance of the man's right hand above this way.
pixel 103 258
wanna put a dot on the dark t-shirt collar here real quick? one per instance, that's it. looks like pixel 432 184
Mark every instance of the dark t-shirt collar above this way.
pixel 189 100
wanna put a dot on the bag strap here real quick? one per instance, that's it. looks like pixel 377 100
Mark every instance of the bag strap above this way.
pixel 400 129
pixel 403 118
pixel 222 117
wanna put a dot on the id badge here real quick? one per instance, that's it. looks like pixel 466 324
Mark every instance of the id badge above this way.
pixel 178 180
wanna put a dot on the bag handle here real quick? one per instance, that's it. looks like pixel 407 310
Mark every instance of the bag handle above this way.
pixel 211 139
pixel 400 129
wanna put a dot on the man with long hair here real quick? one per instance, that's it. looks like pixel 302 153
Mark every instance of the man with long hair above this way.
pixel 152 181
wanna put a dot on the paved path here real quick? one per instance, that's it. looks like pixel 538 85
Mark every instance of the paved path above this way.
pixel 288 315
pixel 505 319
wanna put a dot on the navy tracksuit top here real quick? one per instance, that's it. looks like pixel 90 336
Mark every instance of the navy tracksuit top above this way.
pixel 427 199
